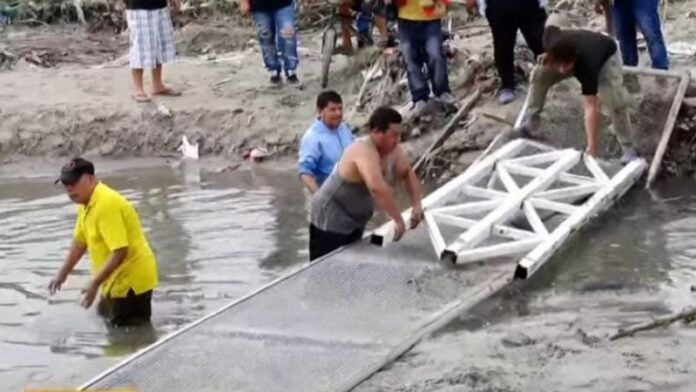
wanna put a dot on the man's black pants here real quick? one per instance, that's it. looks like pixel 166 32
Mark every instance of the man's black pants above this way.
pixel 134 309
pixel 323 242
pixel 506 17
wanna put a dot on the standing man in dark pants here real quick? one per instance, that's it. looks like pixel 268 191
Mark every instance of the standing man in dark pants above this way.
pixel 644 14
pixel 506 17
pixel 420 38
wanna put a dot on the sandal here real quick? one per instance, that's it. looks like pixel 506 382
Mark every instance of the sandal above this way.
pixel 141 98
pixel 168 92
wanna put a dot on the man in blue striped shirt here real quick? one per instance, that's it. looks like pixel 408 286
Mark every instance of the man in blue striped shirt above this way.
pixel 324 142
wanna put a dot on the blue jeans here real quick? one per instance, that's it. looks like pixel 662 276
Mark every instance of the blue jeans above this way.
pixel 421 46
pixel 645 15
pixel 364 22
pixel 277 34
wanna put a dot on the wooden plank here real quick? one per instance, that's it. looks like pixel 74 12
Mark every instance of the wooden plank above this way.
pixel 549 205
pixel 506 178
pixel 497 250
pixel 535 171
pixel 449 128
pixel 434 233
pixel 492 179
pixel 566 192
pixel 601 200
pixel 535 159
pixel 465 208
pixel 667 131
pixel 594 168
pixel 534 219
pixel 652 72
pixel 500 230
pixel 479 232
pixel 385 233
pixel 475 191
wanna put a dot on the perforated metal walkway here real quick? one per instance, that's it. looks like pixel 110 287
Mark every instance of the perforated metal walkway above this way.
pixel 325 328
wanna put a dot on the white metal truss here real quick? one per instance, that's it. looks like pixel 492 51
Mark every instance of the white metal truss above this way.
pixel 536 181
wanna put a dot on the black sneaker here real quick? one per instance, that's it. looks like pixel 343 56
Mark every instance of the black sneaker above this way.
pixel 292 79
pixel 275 78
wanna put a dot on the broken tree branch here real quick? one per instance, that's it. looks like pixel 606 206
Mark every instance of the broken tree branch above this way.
pixel 451 126
pixel 368 77
pixel 78 10
pixel 688 315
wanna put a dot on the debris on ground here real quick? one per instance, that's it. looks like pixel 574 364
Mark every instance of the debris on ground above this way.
pixel 687 315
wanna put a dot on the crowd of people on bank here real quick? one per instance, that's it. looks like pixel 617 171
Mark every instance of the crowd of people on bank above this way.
pixel 348 176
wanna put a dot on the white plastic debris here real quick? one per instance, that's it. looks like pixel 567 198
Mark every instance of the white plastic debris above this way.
pixel 163 110
pixel 682 48
pixel 189 151
pixel 258 154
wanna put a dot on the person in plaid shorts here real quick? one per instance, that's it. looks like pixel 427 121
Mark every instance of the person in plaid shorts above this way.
pixel 151 43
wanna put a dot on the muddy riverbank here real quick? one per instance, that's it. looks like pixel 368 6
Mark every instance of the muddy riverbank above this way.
pixel 551 333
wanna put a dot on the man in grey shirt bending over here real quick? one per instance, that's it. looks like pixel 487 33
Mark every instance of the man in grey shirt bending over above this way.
pixel 365 174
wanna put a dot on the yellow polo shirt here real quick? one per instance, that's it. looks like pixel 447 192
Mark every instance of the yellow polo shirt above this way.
pixel 413 10
pixel 109 222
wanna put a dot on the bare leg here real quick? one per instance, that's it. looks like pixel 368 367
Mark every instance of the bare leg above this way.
pixel 381 23
pixel 346 39
pixel 138 89
pixel 158 86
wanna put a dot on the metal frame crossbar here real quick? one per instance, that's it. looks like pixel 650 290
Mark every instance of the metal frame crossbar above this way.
pixel 485 228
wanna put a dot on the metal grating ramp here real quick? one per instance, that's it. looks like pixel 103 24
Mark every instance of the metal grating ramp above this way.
pixel 325 328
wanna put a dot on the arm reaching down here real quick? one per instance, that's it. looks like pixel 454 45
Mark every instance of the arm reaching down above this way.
pixel 412 185
pixel 308 162
pixel 310 183
pixel 77 250
pixel 592 118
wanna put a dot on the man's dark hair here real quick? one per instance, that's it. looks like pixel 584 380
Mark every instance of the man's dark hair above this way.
pixel 326 97
pixel 560 49
pixel 382 118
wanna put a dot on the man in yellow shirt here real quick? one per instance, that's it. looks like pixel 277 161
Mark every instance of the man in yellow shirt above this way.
pixel 123 266
pixel 420 39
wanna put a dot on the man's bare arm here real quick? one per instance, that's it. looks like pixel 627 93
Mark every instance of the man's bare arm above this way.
pixel 413 186
pixel 115 261
pixel 77 250
pixel 592 118
pixel 310 183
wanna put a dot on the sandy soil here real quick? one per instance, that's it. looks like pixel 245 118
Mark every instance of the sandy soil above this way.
pixel 88 110
pixel 559 351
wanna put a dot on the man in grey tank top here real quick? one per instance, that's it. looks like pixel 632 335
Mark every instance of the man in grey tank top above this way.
pixel 342 207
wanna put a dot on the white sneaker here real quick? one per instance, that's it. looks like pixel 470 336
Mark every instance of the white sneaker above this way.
pixel 448 99
pixel 418 108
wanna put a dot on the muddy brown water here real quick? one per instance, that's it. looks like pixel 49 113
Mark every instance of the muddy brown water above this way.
pixel 219 236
